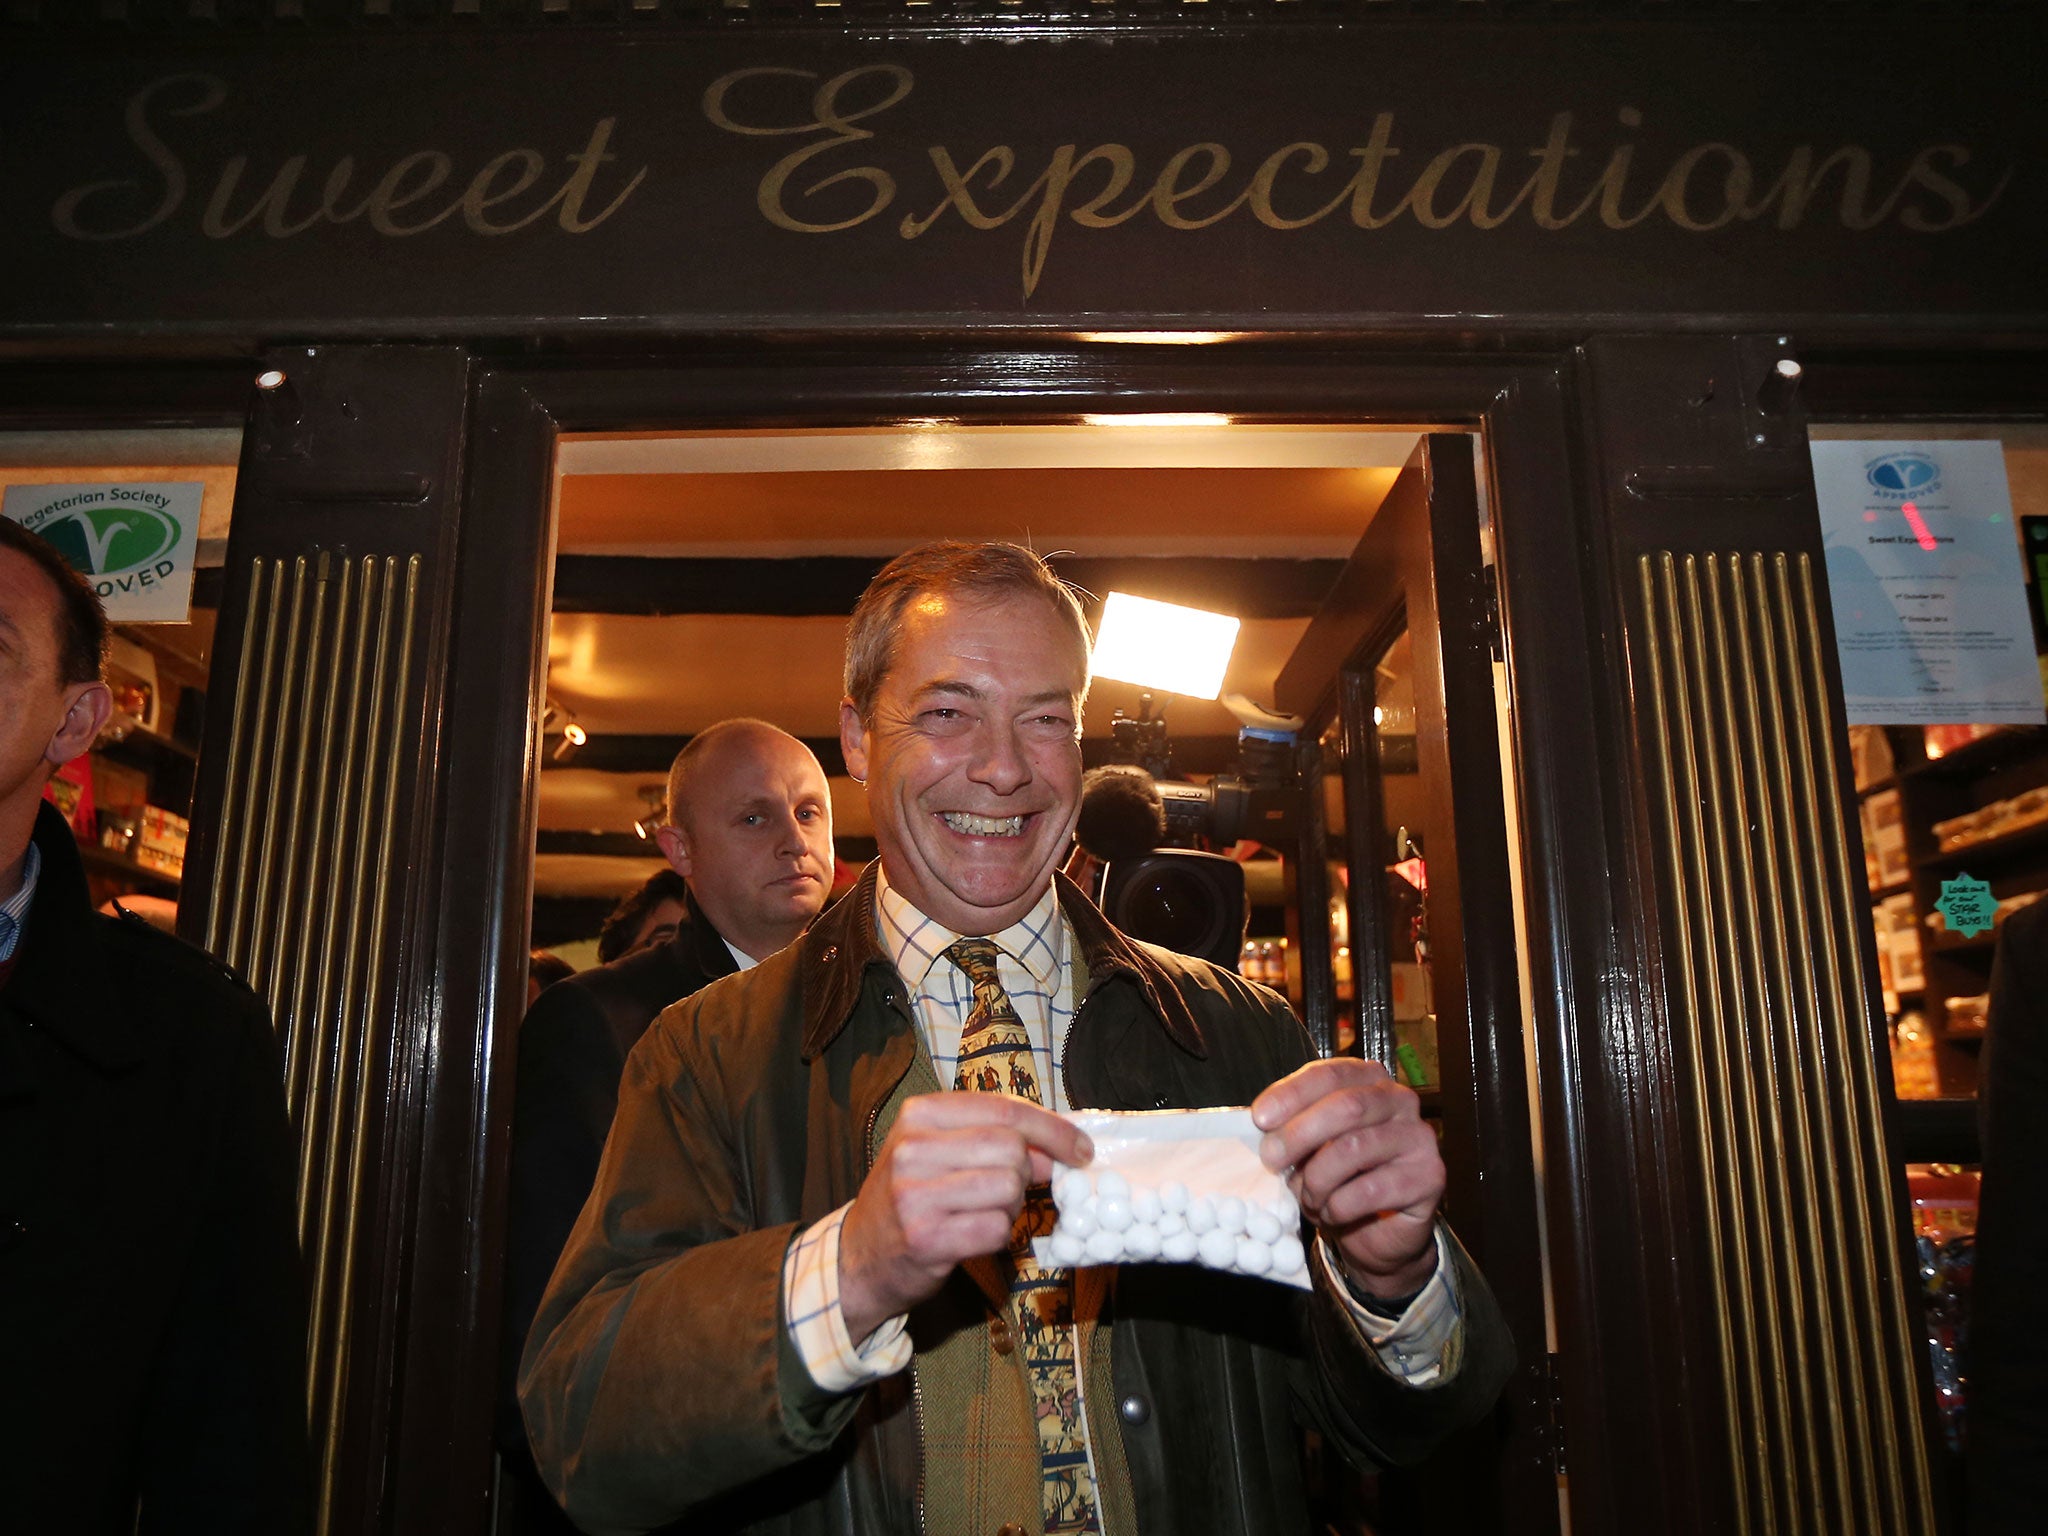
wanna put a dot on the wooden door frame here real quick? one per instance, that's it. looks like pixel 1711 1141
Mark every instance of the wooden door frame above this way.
pixel 1587 947
pixel 1634 1388
pixel 1419 569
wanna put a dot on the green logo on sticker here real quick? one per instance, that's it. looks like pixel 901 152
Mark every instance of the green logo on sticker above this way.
pixel 105 541
pixel 1967 905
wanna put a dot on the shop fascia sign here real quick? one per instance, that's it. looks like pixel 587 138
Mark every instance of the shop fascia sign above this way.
pixel 755 179
pixel 134 542
pixel 839 167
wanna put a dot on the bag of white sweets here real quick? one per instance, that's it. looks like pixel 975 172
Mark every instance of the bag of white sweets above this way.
pixel 1181 1186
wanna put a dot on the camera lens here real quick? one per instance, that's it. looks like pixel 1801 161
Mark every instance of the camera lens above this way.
pixel 1185 901
pixel 1174 908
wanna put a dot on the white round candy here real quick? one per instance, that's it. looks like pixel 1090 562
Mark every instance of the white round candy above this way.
pixel 1105 1247
pixel 1261 1225
pixel 1071 1187
pixel 1179 1246
pixel 1218 1249
pixel 1287 1255
pixel 1201 1214
pixel 1145 1205
pixel 1079 1218
pixel 1173 1196
pixel 1253 1256
pixel 1285 1209
pixel 1113 1213
pixel 1141 1243
pixel 1230 1214
pixel 1067 1249
pixel 1171 1222
pixel 1109 1183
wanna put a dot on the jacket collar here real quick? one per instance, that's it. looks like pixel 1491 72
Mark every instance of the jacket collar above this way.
pixel 699 946
pixel 63 978
pixel 842 946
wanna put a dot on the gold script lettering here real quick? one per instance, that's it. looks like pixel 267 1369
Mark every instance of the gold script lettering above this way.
pixel 1316 160
pixel 65 215
pixel 1960 211
pixel 1168 194
pixel 480 199
pixel 1735 184
pixel 826 116
pixel 392 194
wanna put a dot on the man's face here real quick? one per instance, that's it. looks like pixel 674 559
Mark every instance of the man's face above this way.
pixel 755 840
pixel 43 722
pixel 973 758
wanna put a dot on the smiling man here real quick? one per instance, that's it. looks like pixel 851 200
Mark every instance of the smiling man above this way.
pixel 801 1298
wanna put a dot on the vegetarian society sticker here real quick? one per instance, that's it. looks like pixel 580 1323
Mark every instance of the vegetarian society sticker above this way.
pixel 134 542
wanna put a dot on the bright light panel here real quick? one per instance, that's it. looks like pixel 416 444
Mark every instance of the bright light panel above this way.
pixel 1163 646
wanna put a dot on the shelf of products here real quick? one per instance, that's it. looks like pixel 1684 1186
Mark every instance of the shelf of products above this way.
pixel 1938 802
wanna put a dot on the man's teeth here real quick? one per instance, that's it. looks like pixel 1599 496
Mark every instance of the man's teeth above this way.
pixel 983 826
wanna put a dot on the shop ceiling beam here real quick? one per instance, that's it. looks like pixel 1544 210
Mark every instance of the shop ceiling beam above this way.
pixel 832 584
pixel 652 753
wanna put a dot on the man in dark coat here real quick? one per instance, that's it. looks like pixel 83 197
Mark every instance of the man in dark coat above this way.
pixel 794 1302
pixel 152 1360
pixel 749 830
pixel 2007 1451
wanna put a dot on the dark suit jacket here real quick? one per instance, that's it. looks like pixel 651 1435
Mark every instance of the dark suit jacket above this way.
pixel 572 1048
pixel 154 1336
pixel 2008 1365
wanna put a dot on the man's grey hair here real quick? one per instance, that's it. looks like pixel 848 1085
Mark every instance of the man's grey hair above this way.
pixel 991 572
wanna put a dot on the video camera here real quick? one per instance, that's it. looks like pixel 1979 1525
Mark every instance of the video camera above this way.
pixel 1259 799
pixel 1172 893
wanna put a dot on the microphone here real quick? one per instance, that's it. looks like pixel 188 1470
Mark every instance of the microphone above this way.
pixel 1122 815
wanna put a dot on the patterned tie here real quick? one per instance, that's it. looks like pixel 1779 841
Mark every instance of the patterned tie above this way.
pixel 995 1057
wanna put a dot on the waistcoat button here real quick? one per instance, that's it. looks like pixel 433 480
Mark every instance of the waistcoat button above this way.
pixel 1134 1409
pixel 1009 1528
pixel 1000 1336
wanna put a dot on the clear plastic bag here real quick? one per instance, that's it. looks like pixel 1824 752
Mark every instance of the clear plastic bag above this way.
pixel 1176 1186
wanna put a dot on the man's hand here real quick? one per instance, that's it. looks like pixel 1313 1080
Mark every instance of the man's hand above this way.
pixel 947 1185
pixel 1363 1165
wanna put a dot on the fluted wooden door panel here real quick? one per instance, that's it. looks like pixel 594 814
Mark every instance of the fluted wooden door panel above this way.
pixel 1781 1100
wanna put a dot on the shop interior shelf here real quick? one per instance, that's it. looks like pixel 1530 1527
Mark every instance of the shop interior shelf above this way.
pixel 1990 751
pixel 107 862
pixel 140 741
pixel 2024 840
pixel 1975 944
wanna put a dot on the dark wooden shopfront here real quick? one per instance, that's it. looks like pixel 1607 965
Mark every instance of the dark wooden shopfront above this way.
pixel 448 233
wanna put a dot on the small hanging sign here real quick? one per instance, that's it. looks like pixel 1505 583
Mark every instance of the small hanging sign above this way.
pixel 1967 905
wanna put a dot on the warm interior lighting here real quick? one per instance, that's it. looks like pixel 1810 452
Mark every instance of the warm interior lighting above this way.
pixel 1163 646
pixel 1161 419
pixel 1161 338
pixel 576 734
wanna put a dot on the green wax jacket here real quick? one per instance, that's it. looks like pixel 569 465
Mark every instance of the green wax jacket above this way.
pixel 657 1382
